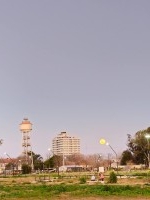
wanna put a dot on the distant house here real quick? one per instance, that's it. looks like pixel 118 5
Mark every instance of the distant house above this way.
pixel 15 165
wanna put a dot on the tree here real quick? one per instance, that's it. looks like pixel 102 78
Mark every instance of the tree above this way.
pixel 138 146
pixel 76 159
pixel 49 163
pixel 9 166
pixel 26 169
pixel 38 161
pixel 54 161
pixel 126 157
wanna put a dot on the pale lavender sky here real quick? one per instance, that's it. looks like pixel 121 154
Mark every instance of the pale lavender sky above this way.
pixel 80 66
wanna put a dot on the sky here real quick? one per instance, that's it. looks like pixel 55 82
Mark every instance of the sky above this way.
pixel 80 66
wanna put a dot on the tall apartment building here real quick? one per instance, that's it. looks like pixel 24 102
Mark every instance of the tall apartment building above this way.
pixel 65 145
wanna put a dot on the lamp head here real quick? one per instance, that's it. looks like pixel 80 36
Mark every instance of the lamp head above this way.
pixel 102 141
pixel 147 136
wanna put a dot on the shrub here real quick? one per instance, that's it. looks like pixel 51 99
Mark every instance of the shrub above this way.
pixel 26 183
pixel 26 169
pixel 112 178
pixel 82 180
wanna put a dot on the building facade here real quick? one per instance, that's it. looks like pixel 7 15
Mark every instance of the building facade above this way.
pixel 65 145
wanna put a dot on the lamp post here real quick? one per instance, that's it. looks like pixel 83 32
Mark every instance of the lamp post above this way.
pixel 19 165
pixel 11 161
pixel 109 160
pixel 50 156
pixel 99 157
pixel 57 160
pixel 98 161
pixel 64 157
pixel 42 160
pixel 103 141
pixel 147 136
pixel 114 153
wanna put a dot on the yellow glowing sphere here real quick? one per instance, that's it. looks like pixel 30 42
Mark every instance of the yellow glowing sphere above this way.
pixel 102 141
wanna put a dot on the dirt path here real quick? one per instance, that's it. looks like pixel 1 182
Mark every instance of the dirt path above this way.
pixel 107 198
pixel 66 197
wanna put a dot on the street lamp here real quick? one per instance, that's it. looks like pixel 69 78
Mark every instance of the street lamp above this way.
pixel 49 156
pixel 64 157
pixel 98 161
pixel 99 157
pixel 147 136
pixel 103 141
pixel 115 154
pixel 57 160
pixel 11 161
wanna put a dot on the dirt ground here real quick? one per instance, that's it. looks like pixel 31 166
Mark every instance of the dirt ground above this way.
pixel 106 198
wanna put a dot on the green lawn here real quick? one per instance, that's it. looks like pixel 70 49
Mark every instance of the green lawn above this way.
pixel 43 191
pixel 68 186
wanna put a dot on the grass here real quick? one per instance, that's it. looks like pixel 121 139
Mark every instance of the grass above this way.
pixel 70 186
pixel 32 191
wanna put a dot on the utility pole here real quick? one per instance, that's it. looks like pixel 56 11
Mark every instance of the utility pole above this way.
pixel 147 136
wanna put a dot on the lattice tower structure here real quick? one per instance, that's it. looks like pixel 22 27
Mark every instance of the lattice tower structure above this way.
pixel 26 128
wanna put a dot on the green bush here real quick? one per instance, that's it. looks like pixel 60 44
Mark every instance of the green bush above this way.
pixel 82 180
pixel 26 169
pixel 112 178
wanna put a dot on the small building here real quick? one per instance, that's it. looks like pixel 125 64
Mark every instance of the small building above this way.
pixel 71 168
pixel 10 165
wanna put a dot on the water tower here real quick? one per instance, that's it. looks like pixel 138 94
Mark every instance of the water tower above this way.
pixel 26 128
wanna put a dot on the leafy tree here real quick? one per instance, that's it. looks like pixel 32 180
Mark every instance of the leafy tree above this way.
pixel 138 146
pixel 126 157
pixel 26 169
pixel 38 161
pixel 54 161
pixel 49 163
